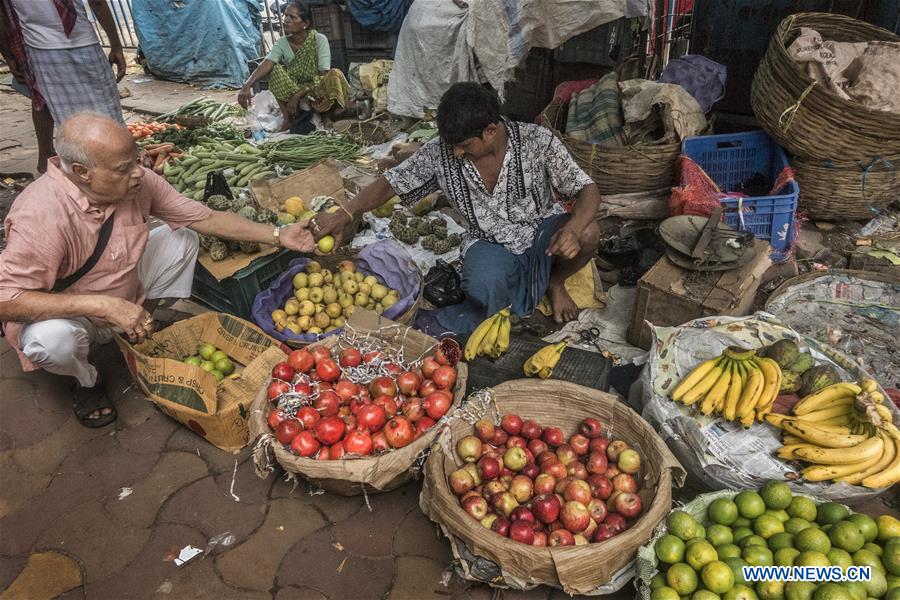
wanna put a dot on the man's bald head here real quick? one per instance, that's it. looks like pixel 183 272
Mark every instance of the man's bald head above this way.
pixel 90 139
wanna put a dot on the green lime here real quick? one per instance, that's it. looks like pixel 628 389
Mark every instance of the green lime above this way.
pixel 206 351
pixel 752 540
pixel 208 365
pixel 830 513
pixel 812 539
pixel 704 595
pixel 740 592
pixel 758 556
pixel 890 556
pixel 657 581
pixel 803 508
pixel 669 549
pixel 218 374
pixel 864 558
pixel 811 558
pixel 856 589
pixel 781 515
pixel 784 557
pixel 217 356
pixel 742 522
pixel 682 578
pixel 750 504
pixel 693 541
pixel 767 525
pixel 831 591
pixel 701 531
pixel 840 558
pixel 664 593
pixel 718 535
pixel 737 568
pixel 682 524
pixel 866 524
pixel 772 589
pixel 776 494
pixel 739 533
pixel 717 577
pixel 874 549
pixel 722 511
pixel 799 590
pixel 728 551
pixel 893 581
pixel 888 527
pixel 876 586
pixel 699 554
pixel 893 594
pixel 225 366
pixel 193 360
pixel 846 535
pixel 796 524
pixel 780 540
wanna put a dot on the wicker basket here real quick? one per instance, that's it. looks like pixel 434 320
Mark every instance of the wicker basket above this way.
pixel 617 169
pixel 841 191
pixel 807 118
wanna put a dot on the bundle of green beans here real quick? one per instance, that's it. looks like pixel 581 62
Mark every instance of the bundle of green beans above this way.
pixel 185 138
pixel 302 151
pixel 204 106
pixel 241 165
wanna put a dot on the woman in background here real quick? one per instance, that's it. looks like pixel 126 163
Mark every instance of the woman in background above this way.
pixel 299 72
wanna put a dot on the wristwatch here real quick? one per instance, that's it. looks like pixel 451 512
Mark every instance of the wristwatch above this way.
pixel 276 236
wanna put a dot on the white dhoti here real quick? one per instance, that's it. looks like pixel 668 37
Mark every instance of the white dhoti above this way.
pixel 166 270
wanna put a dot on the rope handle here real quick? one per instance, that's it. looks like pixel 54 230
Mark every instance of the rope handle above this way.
pixel 791 110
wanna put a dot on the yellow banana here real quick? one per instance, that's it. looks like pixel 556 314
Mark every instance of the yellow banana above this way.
pixel 705 384
pixel 772 377
pixel 541 363
pixel 867 450
pixel 737 353
pixel 693 378
pixel 490 338
pixel 832 437
pixel 828 472
pixel 717 392
pixel 788 439
pixel 838 392
pixel 845 420
pixel 786 452
pixel 502 336
pixel 868 385
pixel 750 396
pixel 477 336
pixel 890 451
pixel 734 392
pixel 776 420
pixel 831 412
pixel 891 473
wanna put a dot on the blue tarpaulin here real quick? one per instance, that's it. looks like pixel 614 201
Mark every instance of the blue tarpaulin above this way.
pixel 202 42
pixel 378 15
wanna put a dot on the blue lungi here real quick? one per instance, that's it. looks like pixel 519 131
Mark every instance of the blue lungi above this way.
pixel 493 278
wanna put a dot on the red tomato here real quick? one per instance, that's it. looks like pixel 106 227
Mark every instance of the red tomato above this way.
pixel 275 418
pixel 444 377
pixel 287 430
pixel 328 403
pixel 283 371
pixel 320 353
pixel 408 383
pixel 328 370
pixel 304 444
pixel 350 357
pixel 358 443
pixel 276 388
pixel 371 417
pixel 329 430
pixel 308 416
pixel 346 389
pixel 429 366
pixel 382 386
pixel 301 360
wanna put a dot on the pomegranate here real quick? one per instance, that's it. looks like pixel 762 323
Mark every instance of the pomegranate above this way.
pixel 399 432
pixel 303 386
pixel 423 424
pixel 336 452
pixel 448 352
pixel 350 357
pixel 387 403
pixel 308 416
pixel 328 403
pixel 429 366
pixel 426 388
pixel 408 383
pixel 382 386
pixel 379 442
pixel 287 430
pixel 329 430
pixel 275 417
pixel 304 444
pixel 346 389
pixel 301 360
pixel 276 388
pixel 444 377
pixel 358 443
pixel 320 353
pixel 283 371
pixel 371 417
pixel 413 409
pixel 328 370
pixel 437 404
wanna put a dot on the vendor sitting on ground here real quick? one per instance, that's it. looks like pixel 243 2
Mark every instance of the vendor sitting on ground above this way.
pixel 502 176
pixel 299 72
pixel 82 261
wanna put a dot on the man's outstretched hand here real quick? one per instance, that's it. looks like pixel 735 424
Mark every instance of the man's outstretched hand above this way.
pixel 297 237
pixel 334 224
pixel 564 243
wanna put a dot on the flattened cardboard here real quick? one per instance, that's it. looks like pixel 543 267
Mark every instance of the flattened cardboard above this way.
pixel 190 395
pixel 224 269
pixel 321 179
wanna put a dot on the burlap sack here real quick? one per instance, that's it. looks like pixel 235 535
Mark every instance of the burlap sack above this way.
pixel 354 476
pixel 834 64
pixel 878 80
pixel 592 569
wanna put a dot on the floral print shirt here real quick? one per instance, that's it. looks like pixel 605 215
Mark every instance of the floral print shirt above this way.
pixel 536 167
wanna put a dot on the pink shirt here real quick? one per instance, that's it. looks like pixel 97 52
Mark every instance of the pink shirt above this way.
pixel 52 230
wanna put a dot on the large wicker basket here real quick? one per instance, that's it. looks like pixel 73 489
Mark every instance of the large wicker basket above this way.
pixel 617 169
pixel 807 118
pixel 840 191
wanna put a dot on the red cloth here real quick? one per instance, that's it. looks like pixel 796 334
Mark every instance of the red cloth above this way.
pixel 17 46
pixel 567 89
pixel 67 14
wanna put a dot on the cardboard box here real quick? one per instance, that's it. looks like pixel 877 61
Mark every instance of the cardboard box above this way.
pixel 214 410
pixel 321 179
pixel 668 295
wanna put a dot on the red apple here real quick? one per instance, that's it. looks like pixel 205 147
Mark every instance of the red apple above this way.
pixel 615 448
pixel 562 484
pixel 574 516
pixel 611 501
pixel 511 424
pixel 546 508
pixel 516 441
pixel 521 488
pixel 514 459
pixel 522 532
pixel 476 506
pixel 490 467
pixel 623 482
pixel 537 447
pixel 591 428
pixel 544 484
pixel 494 487
pixel 578 491
pixel 557 524
pixel 579 444
pixel 612 472
pixel 484 429
pixel 546 455
pixel 530 470
pixel 540 539
pixel 488 520
pixel 469 448
pixel 555 468
pixel 521 513
pixel 501 527
pixel 553 436
pixel 566 454
pixel 604 532
pixel 598 510
pixel 601 487
pixel 596 463
pixel 616 522
pixel 629 461
pixel 560 537
pixel 577 470
pixel 500 438
pixel 531 430
pixel 461 481
pixel 504 503
pixel 599 444
pixel 628 504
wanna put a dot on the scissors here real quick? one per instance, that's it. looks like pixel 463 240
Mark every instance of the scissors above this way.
pixel 591 336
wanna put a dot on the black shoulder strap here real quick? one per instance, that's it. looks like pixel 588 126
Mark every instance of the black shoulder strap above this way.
pixel 102 240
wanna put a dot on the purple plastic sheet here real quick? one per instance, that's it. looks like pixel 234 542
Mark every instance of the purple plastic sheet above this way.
pixel 386 259
pixel 704 79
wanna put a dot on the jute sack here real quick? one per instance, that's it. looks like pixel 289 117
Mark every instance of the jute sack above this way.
pixel 355 476
pixel 190 395
pixel 593 569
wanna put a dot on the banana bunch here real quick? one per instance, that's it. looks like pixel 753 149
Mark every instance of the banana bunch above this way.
pixel 491 337
pixel 845 433
pixel 738 385
pixel 541 363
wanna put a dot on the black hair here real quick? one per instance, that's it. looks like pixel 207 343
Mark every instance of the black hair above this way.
pixel 301 7
pixel 465 110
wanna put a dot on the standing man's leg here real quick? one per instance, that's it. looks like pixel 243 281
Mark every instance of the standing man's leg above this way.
pixel 43 130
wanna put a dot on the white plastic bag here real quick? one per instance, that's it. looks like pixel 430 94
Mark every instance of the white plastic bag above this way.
pixel 266 110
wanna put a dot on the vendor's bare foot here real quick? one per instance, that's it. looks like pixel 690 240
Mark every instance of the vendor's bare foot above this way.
pixel 564 308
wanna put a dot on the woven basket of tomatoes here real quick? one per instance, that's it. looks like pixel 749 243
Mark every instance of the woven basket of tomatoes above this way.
pixel 357 413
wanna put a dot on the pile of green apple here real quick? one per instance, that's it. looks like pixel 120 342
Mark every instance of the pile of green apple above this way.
pixel 772 527
pixel 212 360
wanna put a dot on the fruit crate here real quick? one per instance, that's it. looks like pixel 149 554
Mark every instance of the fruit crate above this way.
pixel 729 160
pixel 235 294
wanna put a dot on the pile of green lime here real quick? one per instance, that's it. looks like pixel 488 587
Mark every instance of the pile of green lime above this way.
pixel 212 360
pixel 772 527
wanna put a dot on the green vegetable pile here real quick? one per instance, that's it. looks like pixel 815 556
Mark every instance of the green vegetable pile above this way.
pixel 304 151
pixel 204 106
pixel 240 164
pixel 185 138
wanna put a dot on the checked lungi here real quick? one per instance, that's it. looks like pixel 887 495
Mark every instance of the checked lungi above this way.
pixel 76 80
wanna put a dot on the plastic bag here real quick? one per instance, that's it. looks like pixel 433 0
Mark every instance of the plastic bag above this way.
pixel 216 185
pixel 443 285
pixel 266 111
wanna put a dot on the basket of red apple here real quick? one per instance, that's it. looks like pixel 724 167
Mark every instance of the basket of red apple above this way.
pixel 358 412
pixel 549 483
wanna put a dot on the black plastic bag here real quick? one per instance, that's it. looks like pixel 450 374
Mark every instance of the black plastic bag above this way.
pixel 216 185
pixel 443 286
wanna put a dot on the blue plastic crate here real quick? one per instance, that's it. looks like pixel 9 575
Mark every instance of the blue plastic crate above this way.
pixel 732 158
